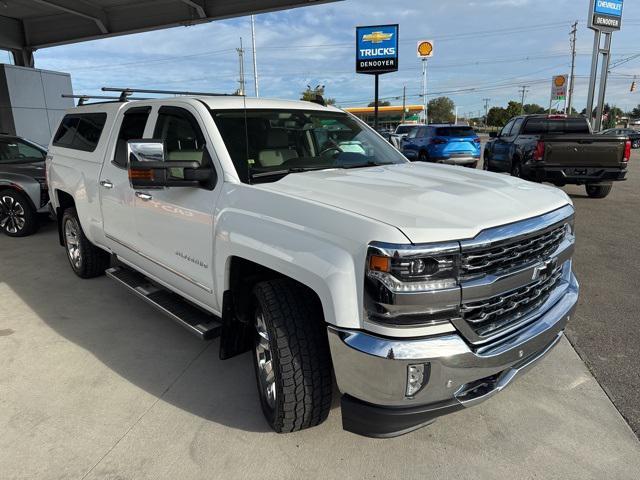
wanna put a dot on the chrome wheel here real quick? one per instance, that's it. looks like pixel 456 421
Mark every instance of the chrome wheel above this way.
pixel 12 215
pixel 72 237
pixel 264 361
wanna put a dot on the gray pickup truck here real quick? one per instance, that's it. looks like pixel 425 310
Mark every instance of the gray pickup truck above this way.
pixel 561 150
pixel 23 185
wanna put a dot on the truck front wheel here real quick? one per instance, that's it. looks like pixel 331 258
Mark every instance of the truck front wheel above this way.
pixel 86 260
pixel 599 191
pixel 291 356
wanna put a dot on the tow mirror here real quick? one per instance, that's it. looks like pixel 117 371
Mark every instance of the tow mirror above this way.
pixel 148 167
pixel 493 134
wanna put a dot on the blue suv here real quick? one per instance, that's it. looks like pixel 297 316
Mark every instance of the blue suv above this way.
pixel 452 144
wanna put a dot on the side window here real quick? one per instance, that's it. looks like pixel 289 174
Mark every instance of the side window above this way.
pixel 17 151
pixel 181 134
pixel 80 131
pixel 516 127
pixel 507 129
pixel 132 128
pixel 413 133
pixel 424 132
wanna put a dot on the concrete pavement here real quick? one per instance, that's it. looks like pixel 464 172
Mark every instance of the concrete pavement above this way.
pixel 96 384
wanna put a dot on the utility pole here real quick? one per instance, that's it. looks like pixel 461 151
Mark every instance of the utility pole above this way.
pixel 573 33
pixel 241 89
pixel 404 103
pixel 255 62
pixel 486 109
pixel 524 89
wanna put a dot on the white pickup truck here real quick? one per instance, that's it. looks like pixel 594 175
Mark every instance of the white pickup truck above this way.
pixel 295 232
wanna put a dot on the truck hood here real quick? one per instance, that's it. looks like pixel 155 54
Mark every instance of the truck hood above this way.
pixel 427 202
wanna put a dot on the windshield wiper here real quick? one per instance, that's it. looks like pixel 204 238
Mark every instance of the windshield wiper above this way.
pixel 277 173
pixel 370 163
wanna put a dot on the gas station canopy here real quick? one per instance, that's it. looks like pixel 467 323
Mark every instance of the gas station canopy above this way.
pixel 27 25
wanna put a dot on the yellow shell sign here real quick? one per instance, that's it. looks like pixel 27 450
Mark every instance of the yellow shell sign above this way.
pixel 560 81
pixel 425 49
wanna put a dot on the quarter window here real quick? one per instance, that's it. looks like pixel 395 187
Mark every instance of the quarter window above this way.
pixel 80 131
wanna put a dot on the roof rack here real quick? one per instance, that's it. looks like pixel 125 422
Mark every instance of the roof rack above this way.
pixel 82 99
pixel 125 93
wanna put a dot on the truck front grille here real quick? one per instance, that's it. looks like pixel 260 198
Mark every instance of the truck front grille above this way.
pixel 511 254
pixel 488 317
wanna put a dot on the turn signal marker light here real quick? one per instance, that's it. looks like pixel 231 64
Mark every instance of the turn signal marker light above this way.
pixel 379 263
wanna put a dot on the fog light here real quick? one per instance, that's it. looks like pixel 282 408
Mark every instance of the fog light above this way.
pixel 417 376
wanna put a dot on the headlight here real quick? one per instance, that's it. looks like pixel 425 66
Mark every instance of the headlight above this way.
pixel 407 268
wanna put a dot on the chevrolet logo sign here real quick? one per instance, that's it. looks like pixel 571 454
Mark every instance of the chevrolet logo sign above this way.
pixel 377 37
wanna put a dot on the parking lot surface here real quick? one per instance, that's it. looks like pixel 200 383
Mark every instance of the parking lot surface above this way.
pixel 96 384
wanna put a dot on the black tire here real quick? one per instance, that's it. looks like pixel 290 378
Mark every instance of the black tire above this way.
pixel 516 168
pixel 636 144
pixel 18 218
pixel 423 156
pixel 598 191
pixel 86 260
pixel 301 382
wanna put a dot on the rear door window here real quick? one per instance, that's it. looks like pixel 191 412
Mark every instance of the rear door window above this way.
pixel 80 131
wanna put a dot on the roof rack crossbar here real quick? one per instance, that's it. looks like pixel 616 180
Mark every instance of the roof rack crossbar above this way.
pixel 126 92
pixel 82 99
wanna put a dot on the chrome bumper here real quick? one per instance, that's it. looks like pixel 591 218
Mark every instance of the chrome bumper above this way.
pixel 371 371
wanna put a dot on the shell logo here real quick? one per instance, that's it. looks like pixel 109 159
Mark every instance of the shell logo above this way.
pixel 559 81
pixel 425 49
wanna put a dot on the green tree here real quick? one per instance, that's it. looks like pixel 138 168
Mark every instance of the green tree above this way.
pixel 384 103
pixel 613 115
pixel 310 94
pixel 635 113
pixel 514 109
pixel 533 109
pixel 497 117
pixel 441 110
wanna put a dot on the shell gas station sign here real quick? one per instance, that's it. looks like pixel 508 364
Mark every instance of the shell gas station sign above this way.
pixel 425 49
pixel 559 86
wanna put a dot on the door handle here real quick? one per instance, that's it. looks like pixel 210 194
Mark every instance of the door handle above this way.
pixel 145 197
pixel 106 183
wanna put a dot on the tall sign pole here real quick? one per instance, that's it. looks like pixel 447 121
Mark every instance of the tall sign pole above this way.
pixel 425 51
pixel 377 54
pixel 605 17
pixel 255 61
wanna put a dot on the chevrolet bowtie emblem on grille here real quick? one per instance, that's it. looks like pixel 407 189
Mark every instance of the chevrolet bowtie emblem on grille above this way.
pixel 377 37
pixel 544 270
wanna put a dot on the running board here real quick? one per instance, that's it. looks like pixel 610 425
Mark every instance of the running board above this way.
pixel 204 325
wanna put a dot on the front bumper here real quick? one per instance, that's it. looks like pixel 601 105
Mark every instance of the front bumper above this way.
pixel 371 371
pixel 457 160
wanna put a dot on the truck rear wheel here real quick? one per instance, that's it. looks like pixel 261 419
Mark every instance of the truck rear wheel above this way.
pixel 291 356
pixel 86 260
pixel 599 191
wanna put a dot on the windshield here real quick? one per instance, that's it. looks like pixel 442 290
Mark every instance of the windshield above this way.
pixel 13 150
pixel 279 142
pixel 455 132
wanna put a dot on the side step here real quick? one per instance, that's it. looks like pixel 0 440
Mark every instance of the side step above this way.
pixel 197 321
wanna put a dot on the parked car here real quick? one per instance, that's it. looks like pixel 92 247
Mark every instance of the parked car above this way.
pixel 401 132
pixel 293 231
pixel 561 150
pixel 634 135
pixel 451 144
pixel 23 186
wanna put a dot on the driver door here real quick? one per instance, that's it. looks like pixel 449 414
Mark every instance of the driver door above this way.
pixel 175 224
pixel 501 146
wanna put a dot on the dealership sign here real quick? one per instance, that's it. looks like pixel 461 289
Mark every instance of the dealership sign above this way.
pixel 559 88
pixel 605 15
pixel 377 49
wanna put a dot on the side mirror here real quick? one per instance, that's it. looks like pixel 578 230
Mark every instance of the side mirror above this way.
pixel 148 167
pixel 493 134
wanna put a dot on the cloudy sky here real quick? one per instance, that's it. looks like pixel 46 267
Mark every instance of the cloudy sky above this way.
pixel 484 49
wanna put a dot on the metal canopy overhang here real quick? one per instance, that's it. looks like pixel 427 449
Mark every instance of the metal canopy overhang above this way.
pixel 27 25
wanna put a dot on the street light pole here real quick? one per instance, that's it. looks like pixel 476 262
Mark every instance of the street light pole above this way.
pixel 574 33
pixel 255 62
